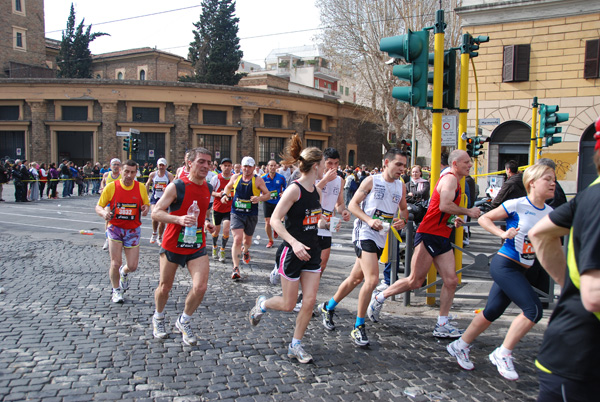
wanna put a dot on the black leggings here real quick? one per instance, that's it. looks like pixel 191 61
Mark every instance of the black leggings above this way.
pixel 511 285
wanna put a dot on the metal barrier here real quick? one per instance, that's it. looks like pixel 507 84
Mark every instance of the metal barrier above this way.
pixel 480 261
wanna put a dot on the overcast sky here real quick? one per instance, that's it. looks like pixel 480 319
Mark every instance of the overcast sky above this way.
pixel 264 24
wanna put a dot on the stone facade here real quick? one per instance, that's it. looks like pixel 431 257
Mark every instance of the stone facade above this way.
pixel 180 110
pixel 557 33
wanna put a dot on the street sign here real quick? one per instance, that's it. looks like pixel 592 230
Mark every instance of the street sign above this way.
pixel 489 122
pixel 150 153
pixel 18 151
pixel 272 155
pixel 134 131
pixel 123 133
pixel 449 132
pixel 217 154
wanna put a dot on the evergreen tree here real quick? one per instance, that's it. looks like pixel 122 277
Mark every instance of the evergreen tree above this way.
pixel 215 52
pixel 74 57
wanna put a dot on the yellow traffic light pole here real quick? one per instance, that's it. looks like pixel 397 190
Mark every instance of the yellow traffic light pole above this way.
pixel 436 128
pixel 533 131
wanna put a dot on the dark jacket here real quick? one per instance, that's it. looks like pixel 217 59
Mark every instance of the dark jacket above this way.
pixel 512 188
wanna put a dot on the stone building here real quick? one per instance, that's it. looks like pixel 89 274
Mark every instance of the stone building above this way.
pixel 547 49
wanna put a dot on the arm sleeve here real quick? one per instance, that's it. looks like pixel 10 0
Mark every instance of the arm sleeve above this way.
pixel 107 194
pixel 589 243
pixel 144 194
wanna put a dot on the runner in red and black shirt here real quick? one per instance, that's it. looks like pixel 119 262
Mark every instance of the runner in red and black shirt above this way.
pixel 221 208
pixel 175 250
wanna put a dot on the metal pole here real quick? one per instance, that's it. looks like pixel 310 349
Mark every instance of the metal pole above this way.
pixel 408 256
pixel 413 154
pixel 436 128
pixel 533 131
pixel 393 259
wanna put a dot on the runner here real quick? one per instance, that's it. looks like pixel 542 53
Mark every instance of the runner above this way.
pixel 508 269
pixel 247 189
pixel 276 185
pixel 113 174
pixel 175 250
pixel 158 181
pixel 221 211
pixel 183 171
pixel 432 244
pixel 128 201
pixel 375 204
pixel 299 254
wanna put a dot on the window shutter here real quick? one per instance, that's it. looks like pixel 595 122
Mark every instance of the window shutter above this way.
pixel 508 65
pixel 516 63
pixel 591 65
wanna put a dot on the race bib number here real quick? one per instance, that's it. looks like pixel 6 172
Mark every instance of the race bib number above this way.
pixel 327 215
pixel 196 244
pixel 243 205
pixel 274 194
pixel 126 211
pixel 528 253
pixel 311 219
pixel 160 186
pixel 383 216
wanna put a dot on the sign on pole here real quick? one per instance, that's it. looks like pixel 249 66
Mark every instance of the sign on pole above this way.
pixel 449 132
pixel 123 133
pixel 217 154
pixel 150 153
pixel 134 131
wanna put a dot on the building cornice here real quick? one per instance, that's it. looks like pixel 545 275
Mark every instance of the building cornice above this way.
pixel 490 12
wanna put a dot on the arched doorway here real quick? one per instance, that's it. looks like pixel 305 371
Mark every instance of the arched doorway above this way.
pixel 351 157
pixel 586 172
pixel 509 141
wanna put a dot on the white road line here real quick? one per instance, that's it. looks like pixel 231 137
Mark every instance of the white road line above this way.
pixel 50 217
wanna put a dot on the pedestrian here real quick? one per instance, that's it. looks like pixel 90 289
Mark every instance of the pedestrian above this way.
pixel 128 202
pixel 34 183
pixel 507 269
pixel 375 205
pixel 157 183
pixel 432 245
pixel 567 361
pixel 172 209
pixel 4 177
pixel 96 178
pixel 221 210
pixel 298 255
pixel 513 186
pixel 43 179
pixel 276 184
pixel 53 175
pixel 18 181
pixel 248 190
pixel 88 174
pixel 114 174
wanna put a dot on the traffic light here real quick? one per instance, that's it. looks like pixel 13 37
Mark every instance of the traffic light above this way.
pixel 474 145
pixel 406 147
pixel 449 96
pixel 548 121
pixel 126 144
pixel 135 143
pixel 413 47
pixel 471 44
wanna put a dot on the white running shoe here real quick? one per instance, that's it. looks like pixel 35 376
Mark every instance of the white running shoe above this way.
pixel 159 241
pixel 221 255
pixel 187 333
pixel 447 331
pixel 158 328
pixel 462 355
pixel 124 279
pixel 256 313
pixel 274 277
pixel 105 246
pixel 153 238
pixel 117 296
pixel 215 252
pixel 382 286
pixel 374 307
pixel 504 364
pixel 298 352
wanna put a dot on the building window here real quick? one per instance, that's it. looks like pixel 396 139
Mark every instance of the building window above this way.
pixel 18 7
pixel 146 114
pixel 342 89
pixel 316 125
pixel 9 112
pixel 214 117
pixel 218 145
pixel 516 63
pixel 591 66
pixel 79 113
pixel 142 75
pixel 314 143
pixel 98 76
pixel 19 38
pixel 273 120
pixel 317 83
pixel 347 92
pixel 270 148
pixel 119 75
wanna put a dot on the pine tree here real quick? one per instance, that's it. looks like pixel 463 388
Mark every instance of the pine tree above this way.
pixel 74 57
pixel 215 52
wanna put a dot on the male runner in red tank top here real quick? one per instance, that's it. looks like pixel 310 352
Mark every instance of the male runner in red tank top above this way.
pixel 432 244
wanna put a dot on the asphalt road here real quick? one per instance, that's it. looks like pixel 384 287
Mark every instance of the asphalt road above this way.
pixel 62 338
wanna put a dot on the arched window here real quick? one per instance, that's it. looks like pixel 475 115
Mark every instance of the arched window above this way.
pixel 120 76
pixel 509 141
pixel 142 75
pixel 98 76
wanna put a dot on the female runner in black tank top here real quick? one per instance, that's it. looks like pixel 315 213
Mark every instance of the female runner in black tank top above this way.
pixel 298 258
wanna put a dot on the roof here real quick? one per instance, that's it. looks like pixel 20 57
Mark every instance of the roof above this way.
pixel 306 51
pixel 131 52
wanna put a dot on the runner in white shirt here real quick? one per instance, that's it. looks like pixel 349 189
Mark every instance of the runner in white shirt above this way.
pixel 157 182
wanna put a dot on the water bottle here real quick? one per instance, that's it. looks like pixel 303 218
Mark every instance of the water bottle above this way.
pixel 189 234
pixel 451 221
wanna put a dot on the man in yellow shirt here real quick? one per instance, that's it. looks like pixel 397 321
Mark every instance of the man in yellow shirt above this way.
pixel 128 202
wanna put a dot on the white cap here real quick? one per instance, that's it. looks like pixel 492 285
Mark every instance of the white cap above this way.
pixel 248 161
pixel 162 161
pixel 115 160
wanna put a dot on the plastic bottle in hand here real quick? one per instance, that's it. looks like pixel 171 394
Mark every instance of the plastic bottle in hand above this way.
pixel 189 234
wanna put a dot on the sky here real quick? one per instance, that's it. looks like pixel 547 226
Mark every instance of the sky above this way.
pixel 264 24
